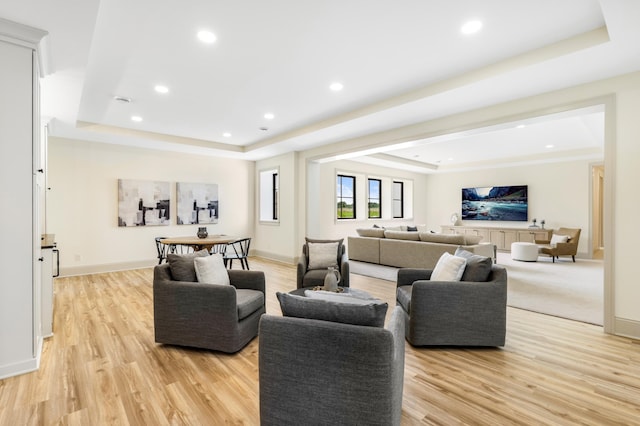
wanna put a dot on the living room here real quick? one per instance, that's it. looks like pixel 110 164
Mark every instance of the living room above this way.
pixel 81 205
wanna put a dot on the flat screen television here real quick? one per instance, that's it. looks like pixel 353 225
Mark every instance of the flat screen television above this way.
pixel 504 203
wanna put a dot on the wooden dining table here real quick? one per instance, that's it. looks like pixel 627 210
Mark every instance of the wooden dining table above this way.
pixel 199 243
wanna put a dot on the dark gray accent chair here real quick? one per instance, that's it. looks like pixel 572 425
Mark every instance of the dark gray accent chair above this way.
pixel 218 317
pixel 315 372
pixel 453 313
pixel 306 277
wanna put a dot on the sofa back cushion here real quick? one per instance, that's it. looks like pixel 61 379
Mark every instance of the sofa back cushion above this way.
pixel 371 232
pixel 441 238
pixel 460 239
pixel 402 235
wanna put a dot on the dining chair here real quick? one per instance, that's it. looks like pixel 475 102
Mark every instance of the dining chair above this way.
pixel 238 249
pixel 218 249
pixel 163 249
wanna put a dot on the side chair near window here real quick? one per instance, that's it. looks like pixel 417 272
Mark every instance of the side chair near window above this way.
pixel 317 256
pixel 237 250
pixel 197 302
pixel 564 242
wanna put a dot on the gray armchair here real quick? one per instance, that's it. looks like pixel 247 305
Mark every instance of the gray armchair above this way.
pixel 313 277
pixel 218 317
pixel 453 313
pixel 316 372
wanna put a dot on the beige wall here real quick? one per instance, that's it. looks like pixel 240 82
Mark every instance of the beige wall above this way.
pixel 559 193
pixel 83 201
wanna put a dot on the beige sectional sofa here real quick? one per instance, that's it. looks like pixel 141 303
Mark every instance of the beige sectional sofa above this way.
pixel 411 249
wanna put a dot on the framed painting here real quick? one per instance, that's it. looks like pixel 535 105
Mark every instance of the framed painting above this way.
pixel 143 203
pixel 197 203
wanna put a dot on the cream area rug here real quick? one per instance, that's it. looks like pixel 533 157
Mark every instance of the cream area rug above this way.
pixel 563 289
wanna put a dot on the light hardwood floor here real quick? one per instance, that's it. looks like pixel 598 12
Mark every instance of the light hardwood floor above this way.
pixel 102 366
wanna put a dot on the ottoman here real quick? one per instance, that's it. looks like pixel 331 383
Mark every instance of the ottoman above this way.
pixel 527 252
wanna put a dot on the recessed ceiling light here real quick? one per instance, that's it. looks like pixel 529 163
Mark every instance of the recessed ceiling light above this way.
pixel 136 118
pixel 336 87
pixel 471 27
pixel 520 126
pixel 207 36
pixel 269 116
pixel 226 135
pixel 549 146
pixel 161 89
pixel 450 159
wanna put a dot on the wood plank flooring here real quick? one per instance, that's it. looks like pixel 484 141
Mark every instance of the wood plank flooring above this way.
pixel 103 367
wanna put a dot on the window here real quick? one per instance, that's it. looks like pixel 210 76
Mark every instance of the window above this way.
pixel 346 197
pixel 269 195
pixel 375 202
pixel 398 199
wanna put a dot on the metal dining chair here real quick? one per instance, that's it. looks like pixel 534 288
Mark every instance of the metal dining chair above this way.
pixel 163 249
pixel 238 249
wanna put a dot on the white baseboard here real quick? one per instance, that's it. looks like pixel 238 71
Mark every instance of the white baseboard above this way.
pixel 22 367
pixel 106 267
pixel 627 328
pixel 278 258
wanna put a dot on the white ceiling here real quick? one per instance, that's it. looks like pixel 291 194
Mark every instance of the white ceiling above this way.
pixel 401 63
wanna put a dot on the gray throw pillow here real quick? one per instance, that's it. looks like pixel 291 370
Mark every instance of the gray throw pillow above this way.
pixel 181 265
pixel 478 267
pixel 371 314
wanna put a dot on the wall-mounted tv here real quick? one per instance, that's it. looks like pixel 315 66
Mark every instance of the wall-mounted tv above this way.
pixel 506 203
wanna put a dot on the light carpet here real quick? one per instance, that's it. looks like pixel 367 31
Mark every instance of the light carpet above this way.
pixel 563 289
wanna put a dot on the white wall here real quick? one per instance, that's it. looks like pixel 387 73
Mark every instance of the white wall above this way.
pixel 83 201
pixel 277 240
pixel 559 193
pixel 322 222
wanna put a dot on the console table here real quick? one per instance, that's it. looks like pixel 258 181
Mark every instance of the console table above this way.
pixel 500 236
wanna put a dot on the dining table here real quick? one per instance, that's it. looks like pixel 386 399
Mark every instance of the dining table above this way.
pixel 198 243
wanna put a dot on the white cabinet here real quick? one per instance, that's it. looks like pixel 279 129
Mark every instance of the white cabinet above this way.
pixel 20 286
pixel 502 237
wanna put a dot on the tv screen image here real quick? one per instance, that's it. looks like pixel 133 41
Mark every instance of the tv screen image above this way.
pixel 506 203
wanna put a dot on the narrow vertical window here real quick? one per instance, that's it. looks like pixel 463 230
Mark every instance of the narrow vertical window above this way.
pixel 274 180
pixel 269 195
pixel 346 197
pixel 398 199
pixel 375 200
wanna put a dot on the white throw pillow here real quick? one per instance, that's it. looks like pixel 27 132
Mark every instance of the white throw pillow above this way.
pixel 211 270
pixel 449 268
pixel 557 238
pixel 323 255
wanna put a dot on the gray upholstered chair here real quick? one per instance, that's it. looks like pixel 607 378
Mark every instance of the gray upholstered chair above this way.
pixel 316 372
pixel 309 277
pixel 453 313
pixel 569 248
pixel 218 317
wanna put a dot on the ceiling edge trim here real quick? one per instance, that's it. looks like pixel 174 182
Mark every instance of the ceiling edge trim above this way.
pixel 142 134
pixel 551 51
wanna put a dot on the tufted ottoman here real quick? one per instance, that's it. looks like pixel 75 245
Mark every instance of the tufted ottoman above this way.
pixel 527 252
